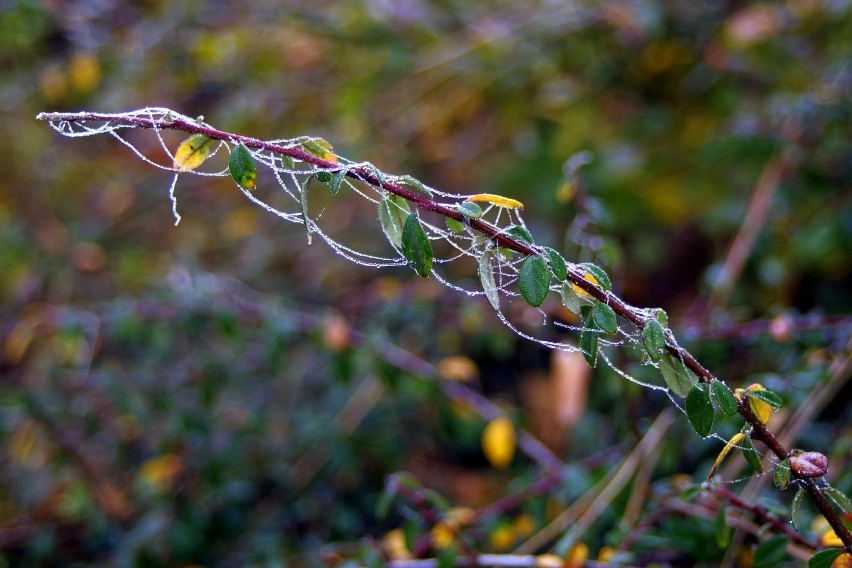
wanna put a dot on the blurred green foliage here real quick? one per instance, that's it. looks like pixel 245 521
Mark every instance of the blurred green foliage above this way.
pixel 192 395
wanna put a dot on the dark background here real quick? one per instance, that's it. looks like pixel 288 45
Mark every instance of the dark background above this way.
pixel 218 393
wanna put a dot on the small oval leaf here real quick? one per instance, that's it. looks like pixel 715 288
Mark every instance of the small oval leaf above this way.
pixel 415 184
pixel 699 409
pixel 416 247
pixel 678 378
pixel 534 280
pixel 794 508
pixel 589 343
pixel 486 276
pixel 520 233
pixel 336 182
pixel 499 441
pixel 497 200
pixel 724 397
pixel 454 225
pixel 557 264
pixel 809 464
pixel 824 558
pixel 781 475
pixel 393 211
pixel 242 168
pixel 320 148
pixel 599 273
pixel 323 176
pixel 193 151
pixel 303 203
pixel 839 497
pixel 654 339
pixel 752 456
pixel 605 318
pixel 470 210
pixel 766 396
pixel 571 299
pixel 730 445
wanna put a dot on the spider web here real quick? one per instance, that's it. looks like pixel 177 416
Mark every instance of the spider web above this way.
pixel 293 177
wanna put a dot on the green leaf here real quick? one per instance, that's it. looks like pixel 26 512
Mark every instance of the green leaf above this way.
pixel 336 182
pixel 781 475
pixel 604 318
pixel 794 508
pixel 242 168
pixel 840 499
pixel 770 552
pixel 699 409
pixel 455 226
pixel 534 280
pixel 654 339
pixel 678 378
pixel 414 184
pixel 470 210
pixel 303 203
pixel 571 299
pixel 824 558
pixel 557 264
pixel 589 342
pixel 287 162
pixel 662 317
pixel 323 176
pixel 600 275
pixel 393 211
pixel 752 456
pixel 724 396
pixel 416 247
pixel 520 233
pixel 721 531
pixel 766 396
pixel 486 276
pixel 320 148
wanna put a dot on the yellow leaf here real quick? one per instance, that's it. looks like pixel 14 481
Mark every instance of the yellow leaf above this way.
pixel 829 539
pixel 735 439
pixel 84 72
pixel 394 545
pixel 458 368
pixel 320 148
pixel 582 293
pixel 760 408
pixel 578 556
pixel 497 200
pixel 193 151
pixel 844 560
pixel 443 535
pixel 524 524
pixel 502 538
pixel 160 472
pixel 498 442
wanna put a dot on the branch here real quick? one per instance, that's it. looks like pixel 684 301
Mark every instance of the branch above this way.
pixel 172 121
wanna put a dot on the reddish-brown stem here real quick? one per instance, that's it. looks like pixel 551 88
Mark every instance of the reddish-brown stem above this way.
pixel 760 432
pixel 764 516
pixel 575 275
